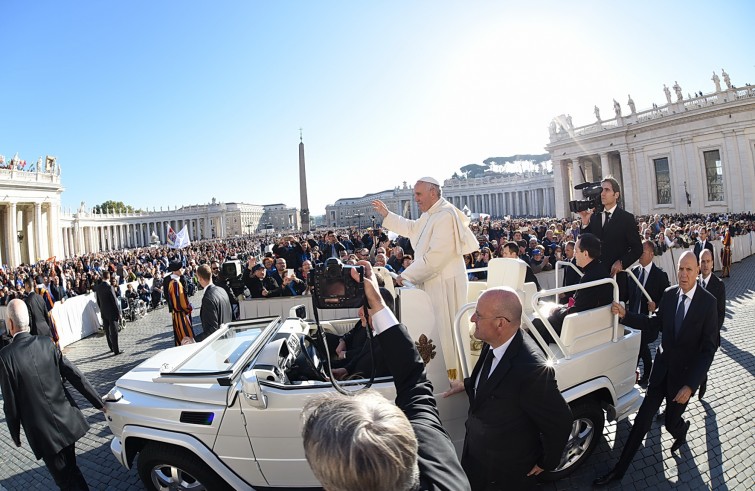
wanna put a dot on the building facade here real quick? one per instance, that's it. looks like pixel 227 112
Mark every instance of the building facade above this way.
pixel 692 155
pixel 358 212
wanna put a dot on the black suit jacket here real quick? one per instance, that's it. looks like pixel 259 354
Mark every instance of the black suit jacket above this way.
pixel 655 284
pixel 620 238
pixel 107 302
pixel 588 298
pixel 518 418
pixel 436 457
pixel 717 288
pixel 31 372
pixel 699 248
pixel 38 316
pixel 682 361
pixel 327 250
pixel 216 310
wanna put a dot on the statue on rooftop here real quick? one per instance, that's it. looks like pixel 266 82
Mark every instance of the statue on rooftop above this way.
pixel 617 108
pixel 716 81
pixel 552 128
pixel 569 124
pixel 597 113
pixel 668 93
pixel 727 80
pixel 678 90
pixel 631 105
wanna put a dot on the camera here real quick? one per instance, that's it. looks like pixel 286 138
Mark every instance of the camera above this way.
pixel 334 288
pixel 591 194
pixel 230 272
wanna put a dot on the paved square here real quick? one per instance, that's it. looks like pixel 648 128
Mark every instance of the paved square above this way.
pixel 720 453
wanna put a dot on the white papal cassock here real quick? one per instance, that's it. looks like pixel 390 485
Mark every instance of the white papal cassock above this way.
pixel 440 238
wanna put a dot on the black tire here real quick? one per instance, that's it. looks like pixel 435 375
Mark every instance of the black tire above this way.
pixel 586 431
pixel 157 461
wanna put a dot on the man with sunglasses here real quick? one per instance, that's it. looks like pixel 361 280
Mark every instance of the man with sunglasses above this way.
pixel 518 422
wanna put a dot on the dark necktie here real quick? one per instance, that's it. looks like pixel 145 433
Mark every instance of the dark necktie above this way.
pixel 608 217
pixel 485 372
pixel 640 297
pixel 679 316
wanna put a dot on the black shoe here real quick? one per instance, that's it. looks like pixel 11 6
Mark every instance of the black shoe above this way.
pixel 701 391
pixel 643 383
pixel 681 440
pixel 607 479
pixel 118 352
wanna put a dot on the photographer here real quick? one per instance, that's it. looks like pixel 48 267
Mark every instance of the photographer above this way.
pixel 405 445
pixel 617 231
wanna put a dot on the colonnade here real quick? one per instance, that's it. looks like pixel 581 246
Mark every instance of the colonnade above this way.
pixel 28 232
pixel 525 202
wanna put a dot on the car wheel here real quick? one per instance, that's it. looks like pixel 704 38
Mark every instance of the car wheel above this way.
pixel 587 429
pixel 167 467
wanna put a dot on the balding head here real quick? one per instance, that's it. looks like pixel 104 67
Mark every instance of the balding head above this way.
pixel 498 315
pixel 706 263
pixel 18 316
pixel 687 271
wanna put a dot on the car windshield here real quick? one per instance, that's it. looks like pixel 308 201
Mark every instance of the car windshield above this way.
pixel 222 354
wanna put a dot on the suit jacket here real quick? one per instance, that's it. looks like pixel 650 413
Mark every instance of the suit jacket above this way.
pixel 31 372
pixel 699 248
pixel 588 298
pixel 438 465
pixel 107 302
pixel 326 251
pixel 518 417
pixel 620 238
pixel 655 284
pixel 717 288
pixel 38 316
pixel 682 361
pixel 216 310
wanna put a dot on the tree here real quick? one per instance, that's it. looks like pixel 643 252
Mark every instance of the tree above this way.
pixel 113 206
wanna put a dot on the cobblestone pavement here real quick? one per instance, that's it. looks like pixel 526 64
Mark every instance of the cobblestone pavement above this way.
pixel 720 453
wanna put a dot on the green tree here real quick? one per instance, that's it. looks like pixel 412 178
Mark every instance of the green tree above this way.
pixel 113 206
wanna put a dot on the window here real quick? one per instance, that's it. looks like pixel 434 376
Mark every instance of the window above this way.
pixel 714 175
pixel 662 181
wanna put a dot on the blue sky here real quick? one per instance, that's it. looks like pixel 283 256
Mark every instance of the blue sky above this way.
pixel 174 103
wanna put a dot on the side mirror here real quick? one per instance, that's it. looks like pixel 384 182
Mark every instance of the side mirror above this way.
pixel 252 390
pixel 297 311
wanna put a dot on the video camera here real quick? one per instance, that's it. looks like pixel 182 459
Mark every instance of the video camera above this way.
pixel 230 272
pixel 334 288
pixel 591 194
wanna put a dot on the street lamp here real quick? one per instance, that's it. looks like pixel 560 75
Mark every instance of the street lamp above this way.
pixel 359 216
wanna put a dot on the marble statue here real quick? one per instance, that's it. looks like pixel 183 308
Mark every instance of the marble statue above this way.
pixel 569 124
pixel 716 81
pixel 678 90
pixel 597 113
pixel 668 93
pixel 552 128
pixel 617 108
pixel 631 105
pixel 727 80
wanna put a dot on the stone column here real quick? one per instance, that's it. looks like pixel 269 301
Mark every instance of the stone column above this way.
pixel 605 166
pixel 14 250
pixel 576 173
pixel 37 233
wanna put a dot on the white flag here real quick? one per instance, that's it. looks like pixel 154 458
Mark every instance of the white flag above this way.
pixel 181 240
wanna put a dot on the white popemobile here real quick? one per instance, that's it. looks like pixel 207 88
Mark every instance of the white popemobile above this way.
pixel 226 413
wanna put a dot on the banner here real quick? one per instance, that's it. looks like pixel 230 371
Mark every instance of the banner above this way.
pixel 178 240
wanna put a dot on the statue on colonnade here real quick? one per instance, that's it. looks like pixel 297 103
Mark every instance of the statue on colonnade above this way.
pixel 727 80
pixel 630 103
pixel 678 90
pixel 668 93
pixel 617 108
pixel 597 113
pixel 716 81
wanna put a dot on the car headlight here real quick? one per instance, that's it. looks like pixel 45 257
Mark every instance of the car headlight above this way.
pixel 113 396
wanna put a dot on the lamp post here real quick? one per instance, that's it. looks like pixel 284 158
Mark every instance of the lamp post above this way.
pixel 359 216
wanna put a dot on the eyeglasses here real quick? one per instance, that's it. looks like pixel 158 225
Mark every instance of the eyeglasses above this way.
pixel 477 314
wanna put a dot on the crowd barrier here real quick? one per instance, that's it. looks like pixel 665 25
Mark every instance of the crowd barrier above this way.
pixel 79 317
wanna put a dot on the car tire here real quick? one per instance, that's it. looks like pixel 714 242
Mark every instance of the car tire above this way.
pixel 163 467
pixel 587 429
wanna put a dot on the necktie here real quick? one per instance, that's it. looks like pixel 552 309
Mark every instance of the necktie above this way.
pixel 640 297
pixel 485 372
pixel 679 316
pixel 608 217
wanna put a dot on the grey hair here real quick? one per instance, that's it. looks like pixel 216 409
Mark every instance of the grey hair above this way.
pixel 360 442
pixel 437 189
pixel 18 312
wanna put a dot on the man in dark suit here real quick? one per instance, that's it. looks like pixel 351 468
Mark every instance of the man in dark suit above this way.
pixel 655 281
pixel 617 231
pixel 587 253
pixel 32 371
pixel 716 287
pixel 518 422
pixel 571 277
pixel 687 315
pixel 38 314
pixel 405 444
pixel 703 243
pixel 108 304
pixel 216 306
pixel 332 247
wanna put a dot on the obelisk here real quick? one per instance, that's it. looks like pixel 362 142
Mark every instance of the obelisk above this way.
pixel 303 187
